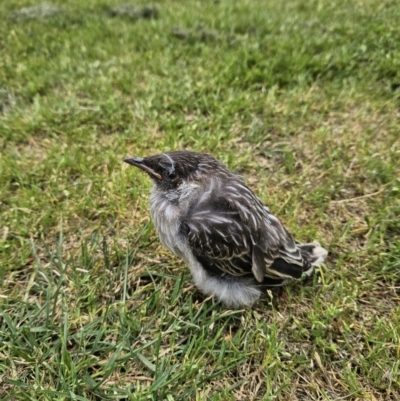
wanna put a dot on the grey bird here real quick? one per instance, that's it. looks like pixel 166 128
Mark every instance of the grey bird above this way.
pixel 234 247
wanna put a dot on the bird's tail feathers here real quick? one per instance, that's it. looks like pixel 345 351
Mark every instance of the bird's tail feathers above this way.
pixel 314 253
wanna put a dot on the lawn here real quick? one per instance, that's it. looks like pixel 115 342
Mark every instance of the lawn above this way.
pixel 301 97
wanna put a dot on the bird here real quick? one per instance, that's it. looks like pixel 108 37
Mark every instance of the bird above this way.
pixel 234 246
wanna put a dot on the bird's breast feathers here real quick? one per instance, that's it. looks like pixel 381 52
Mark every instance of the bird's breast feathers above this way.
pixel 167 209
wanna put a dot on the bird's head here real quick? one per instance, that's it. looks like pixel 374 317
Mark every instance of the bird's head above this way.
pixel 168 170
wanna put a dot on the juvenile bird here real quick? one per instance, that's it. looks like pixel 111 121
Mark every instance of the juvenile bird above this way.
pixel 233 245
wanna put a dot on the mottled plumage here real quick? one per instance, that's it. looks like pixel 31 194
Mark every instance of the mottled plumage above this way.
pixel 231 242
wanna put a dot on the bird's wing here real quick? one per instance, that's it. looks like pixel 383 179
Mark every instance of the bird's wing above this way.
pixel 220 241
pixel 237 235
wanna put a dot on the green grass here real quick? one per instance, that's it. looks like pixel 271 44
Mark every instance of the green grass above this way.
pixel 302 97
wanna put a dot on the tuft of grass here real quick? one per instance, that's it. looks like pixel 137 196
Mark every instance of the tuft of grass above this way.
pixel 301 97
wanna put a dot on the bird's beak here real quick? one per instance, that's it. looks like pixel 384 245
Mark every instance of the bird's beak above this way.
pixel 140 162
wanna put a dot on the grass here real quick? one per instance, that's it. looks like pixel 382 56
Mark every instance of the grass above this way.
pixel 301 97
